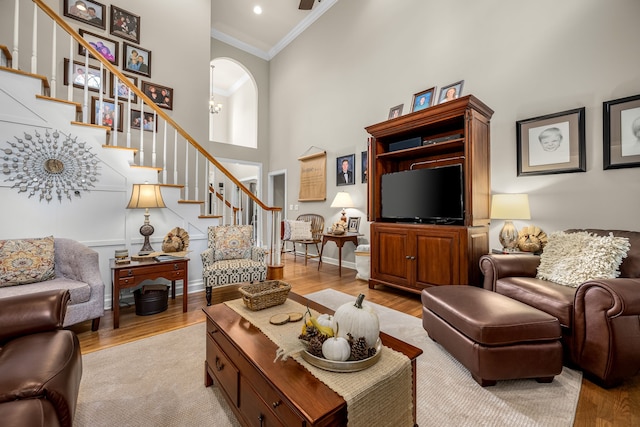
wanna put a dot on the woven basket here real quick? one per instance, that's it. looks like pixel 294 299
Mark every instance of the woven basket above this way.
pixel 258 296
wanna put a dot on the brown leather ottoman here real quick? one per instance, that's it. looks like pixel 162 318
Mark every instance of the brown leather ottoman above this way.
pixel 494 336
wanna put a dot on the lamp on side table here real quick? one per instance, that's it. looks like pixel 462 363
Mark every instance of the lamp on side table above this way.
pixel 145 196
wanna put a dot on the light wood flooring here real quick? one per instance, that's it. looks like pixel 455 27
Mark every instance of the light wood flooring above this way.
pixel 619 406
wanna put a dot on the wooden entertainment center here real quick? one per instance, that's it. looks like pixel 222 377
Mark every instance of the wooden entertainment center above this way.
pixel 416 255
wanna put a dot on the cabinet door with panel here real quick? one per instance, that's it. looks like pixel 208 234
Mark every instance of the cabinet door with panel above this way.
pixel 438 256
pixel 391 262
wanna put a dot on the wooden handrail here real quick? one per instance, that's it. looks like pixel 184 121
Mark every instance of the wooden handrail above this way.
pixel 53 15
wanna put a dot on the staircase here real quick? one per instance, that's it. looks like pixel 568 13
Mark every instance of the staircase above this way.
pixel 105 164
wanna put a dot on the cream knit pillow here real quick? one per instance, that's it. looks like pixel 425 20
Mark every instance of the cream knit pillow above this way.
pixel 571 259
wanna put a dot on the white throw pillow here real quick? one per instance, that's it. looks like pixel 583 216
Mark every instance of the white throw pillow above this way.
pixel 571 259
pixel 300 230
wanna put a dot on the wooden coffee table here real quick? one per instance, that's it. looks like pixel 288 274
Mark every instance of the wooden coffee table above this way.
pixel 261 392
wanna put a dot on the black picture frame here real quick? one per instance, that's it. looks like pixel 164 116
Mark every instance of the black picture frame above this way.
pixel 353 224
pixel 106 47
pixel 129 52
pixel 450 92
pixel 110 114
pixel 94 13
pixel 124 24
pixel 422 100
pixel 95 80
pixel 621 133
pixel 136 118
pixel 122 89
pixel 395 111
pixel 364 166
pixel 163 97
pixel 541 143
pixel 350 170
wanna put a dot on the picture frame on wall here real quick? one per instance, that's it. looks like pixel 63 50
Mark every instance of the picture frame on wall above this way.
pixel 364 166
pixel 108 114
pixel 353 224
pixel 89 12
pixel 125 24
pixel 395 111
pixel 162 96
pixel 105 47
pixel 450 92
pixel 95 80
pixel 146 120
pixel 621 133
pixel 554 143
pixel 422 100
pixel 122 90
pixel 345 170
pixel 136 59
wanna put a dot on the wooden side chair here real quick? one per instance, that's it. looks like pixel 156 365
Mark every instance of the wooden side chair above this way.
pixel 306 239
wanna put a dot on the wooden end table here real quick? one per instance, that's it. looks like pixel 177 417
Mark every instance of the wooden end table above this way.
pixel 340 240
pixel 136 272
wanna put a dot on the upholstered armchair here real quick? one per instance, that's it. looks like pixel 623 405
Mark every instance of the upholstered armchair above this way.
pixel 305 230
pixel 231 257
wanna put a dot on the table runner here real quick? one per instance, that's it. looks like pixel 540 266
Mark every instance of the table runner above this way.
pixel 380 395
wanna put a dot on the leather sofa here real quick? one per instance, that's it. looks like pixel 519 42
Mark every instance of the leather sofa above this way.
pixel 40 363
pixel 600 319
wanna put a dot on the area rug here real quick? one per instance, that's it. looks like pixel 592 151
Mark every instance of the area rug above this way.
pixel 159 381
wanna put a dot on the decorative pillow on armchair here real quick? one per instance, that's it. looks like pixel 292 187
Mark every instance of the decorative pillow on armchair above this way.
pixel 571 259
pixel 300 230
pixel 232 242
pixel 25 261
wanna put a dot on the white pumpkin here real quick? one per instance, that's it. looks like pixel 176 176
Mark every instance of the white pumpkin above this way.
pixel 336 348
pixel 359 319
pixel 326 320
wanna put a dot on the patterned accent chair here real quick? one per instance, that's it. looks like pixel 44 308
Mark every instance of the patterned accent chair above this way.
pixel 232 257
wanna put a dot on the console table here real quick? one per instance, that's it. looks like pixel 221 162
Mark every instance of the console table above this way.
pixel 136 272
pixel 340 240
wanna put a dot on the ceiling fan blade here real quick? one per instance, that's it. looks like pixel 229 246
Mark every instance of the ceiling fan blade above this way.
pixel 306 4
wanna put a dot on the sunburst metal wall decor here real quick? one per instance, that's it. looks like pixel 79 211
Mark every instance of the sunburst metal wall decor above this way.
pixel 53 167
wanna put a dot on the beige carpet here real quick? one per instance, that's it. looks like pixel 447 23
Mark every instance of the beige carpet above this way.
pixel 159 381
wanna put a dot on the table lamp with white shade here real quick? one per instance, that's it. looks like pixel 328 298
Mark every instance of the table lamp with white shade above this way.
pixel 342 200
pixel 509 207
pixel 145 196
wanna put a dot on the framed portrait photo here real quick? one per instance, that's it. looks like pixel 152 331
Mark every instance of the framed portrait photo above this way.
pixel 422 100
pixel 554 143
pixel 136 60
pixel 621 128
pixel 105 47
pixel 145 120
pixel 345 168
pixel 89 12
pixel 364 166
pixel 122 90
pixel 353 224
pixel 450 92
pixel 395 111
pixel 80 74
pixel 162 96
pixel 106 114
pixel 124 24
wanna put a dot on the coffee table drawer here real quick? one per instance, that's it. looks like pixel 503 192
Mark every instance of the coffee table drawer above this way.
pixel 255 411
pixel 272 399
pixel 223 370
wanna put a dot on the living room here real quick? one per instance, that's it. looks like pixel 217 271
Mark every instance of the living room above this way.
pixel 356 62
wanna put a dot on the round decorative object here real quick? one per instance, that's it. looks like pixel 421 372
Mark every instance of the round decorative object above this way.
pixel 279 319
pixel 336 348
pixel 345 366
pixel 53 166
pixel 177 240
pixel 295 317
pixel 531 239
pixel 359 320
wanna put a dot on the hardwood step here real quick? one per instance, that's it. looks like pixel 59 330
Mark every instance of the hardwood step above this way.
pixel 64 101
pixel 147 167
pixel 193 202
pixel 172 185
pixel 134 150
pixel 107 129
pixel 45 81
pixel 210 216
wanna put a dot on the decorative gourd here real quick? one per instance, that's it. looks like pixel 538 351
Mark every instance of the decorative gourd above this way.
pixel 326 320
pixel 359 319
pixel 336 348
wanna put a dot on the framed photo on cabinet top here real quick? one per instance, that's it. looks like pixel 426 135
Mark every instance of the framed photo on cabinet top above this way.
pixel 89 12
pixel 551 144
pixel 450 92
pixel 621 138
pixel 125 24
pixel 395 111
pixel 422 100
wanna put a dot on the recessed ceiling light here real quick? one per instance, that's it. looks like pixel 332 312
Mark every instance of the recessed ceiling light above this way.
pixel 257 10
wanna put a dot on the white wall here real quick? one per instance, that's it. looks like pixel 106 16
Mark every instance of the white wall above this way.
pixel 523 59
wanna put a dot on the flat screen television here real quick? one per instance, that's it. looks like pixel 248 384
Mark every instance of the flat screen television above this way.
pixel 429 195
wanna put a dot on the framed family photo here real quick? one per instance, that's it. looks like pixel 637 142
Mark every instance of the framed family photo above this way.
pixel 105 47
pixel 450 92
pixel 122 90
pixel 108 115
pixel 395 111
pixel 422 100
pixel 89 12
pixel 125 24
pixel 550 144
pixel 145 120
pixel 621 128
pixel 136 60
pixel 80 74
pixel 353 224
pixel 345 166
pixel 162 96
